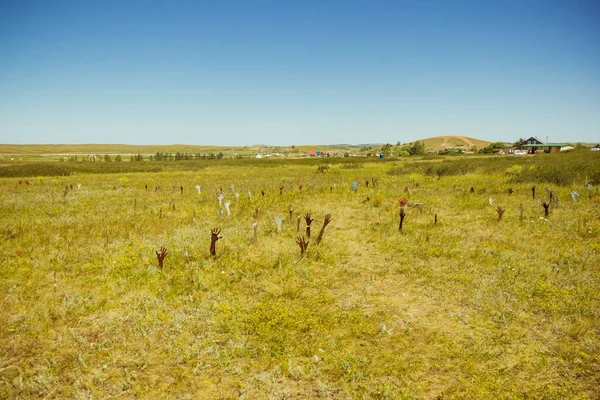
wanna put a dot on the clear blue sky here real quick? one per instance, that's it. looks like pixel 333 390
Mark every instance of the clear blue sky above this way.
pixel 298 72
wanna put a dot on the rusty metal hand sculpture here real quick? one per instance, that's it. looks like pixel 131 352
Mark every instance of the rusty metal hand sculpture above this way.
pixel 308 222
pixel 160 255
pixel 325 223
pixel 215 235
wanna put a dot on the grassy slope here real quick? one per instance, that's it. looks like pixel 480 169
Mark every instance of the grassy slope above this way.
pixel 447 142
pixel 467 308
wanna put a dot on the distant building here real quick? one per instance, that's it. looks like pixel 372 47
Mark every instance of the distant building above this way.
pixel 534 144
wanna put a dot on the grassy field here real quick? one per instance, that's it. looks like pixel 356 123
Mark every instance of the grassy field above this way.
pixel 468 307
pixel 10 150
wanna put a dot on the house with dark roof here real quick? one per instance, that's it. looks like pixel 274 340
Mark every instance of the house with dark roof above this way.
pixel 534 144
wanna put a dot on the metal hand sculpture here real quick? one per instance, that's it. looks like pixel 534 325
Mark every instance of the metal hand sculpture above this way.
pixel 546 206
pixel 402 215
pixel 215 235
pixel 325 223
pixel 308 222
pixel 303 245
pixel 278 221
pixel 160 255
pixel 500 212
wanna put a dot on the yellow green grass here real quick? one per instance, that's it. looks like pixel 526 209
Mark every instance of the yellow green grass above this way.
pixel 470 307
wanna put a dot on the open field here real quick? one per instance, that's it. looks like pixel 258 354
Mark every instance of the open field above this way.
pixel 48 150
pixel 66 149
pixel 468 307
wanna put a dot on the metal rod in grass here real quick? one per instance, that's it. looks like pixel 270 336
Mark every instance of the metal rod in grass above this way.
pixel 521 210
pixel 255 231
pixel 322 231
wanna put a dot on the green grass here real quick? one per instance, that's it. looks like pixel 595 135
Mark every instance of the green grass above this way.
pixel 467 308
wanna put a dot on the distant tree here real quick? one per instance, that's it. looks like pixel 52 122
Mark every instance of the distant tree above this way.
pixel 220 155
pixel 118 158
pixel 386 149
pixel 492 147
pixel 416 148
pixel 107 158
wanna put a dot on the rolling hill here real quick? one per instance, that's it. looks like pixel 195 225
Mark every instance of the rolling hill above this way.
pixel 450 141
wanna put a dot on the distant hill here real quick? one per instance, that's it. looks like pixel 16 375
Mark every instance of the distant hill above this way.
pixel 449 142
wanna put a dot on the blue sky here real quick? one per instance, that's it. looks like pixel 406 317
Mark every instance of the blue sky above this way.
pixel 298 72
